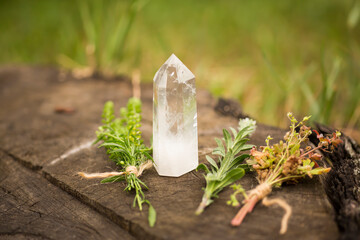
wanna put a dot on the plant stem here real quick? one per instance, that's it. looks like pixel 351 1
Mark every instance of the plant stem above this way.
pixel 202 205
pixel 247 208
pixel 312 150
pixel 286 178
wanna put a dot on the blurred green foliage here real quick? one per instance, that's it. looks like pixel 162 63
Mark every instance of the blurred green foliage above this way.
pixel 273 56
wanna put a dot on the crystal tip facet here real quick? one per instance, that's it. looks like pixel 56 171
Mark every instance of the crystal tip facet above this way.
pixel 184 74
pixel 173 59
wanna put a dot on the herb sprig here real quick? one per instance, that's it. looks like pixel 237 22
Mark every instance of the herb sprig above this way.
pixel 230 167
pixel 122 139
pixel 285 161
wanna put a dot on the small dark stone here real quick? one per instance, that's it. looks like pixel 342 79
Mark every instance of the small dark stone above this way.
pixel 230 107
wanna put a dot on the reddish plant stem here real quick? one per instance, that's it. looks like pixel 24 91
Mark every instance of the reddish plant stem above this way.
pixel 247 208
pixel 312 150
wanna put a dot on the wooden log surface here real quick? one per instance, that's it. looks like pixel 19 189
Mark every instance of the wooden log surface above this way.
pixel 31 207
pixel 42 150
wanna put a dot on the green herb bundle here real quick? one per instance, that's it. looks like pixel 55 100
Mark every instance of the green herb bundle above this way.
pixel 285 161
pixel 122 139
pixel 230 167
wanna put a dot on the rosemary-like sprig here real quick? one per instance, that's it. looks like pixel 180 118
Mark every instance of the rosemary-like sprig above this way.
pixel 122 139
pixel 229 168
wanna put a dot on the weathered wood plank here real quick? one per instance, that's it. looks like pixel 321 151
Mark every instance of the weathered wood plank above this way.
pixel 29 127
pixel 31 207
pixel 46 135
pixel 176 199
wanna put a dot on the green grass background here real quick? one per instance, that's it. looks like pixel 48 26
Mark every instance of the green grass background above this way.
pixel 272 56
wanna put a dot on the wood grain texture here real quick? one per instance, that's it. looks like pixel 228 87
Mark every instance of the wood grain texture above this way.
pixel 31 207
pixel 342 184
pixel 35 135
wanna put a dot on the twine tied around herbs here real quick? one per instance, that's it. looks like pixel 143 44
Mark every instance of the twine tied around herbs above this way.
pixel 264 189
pixel 260 191
pixel 128 170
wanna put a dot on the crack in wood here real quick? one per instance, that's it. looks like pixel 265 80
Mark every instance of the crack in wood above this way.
pixel 134 229
pixel 108 213
pixel 25 163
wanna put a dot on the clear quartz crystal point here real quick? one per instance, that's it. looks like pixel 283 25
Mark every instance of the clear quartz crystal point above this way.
pixel 175 142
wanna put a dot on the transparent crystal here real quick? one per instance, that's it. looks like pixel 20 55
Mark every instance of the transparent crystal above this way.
pixel 175 142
